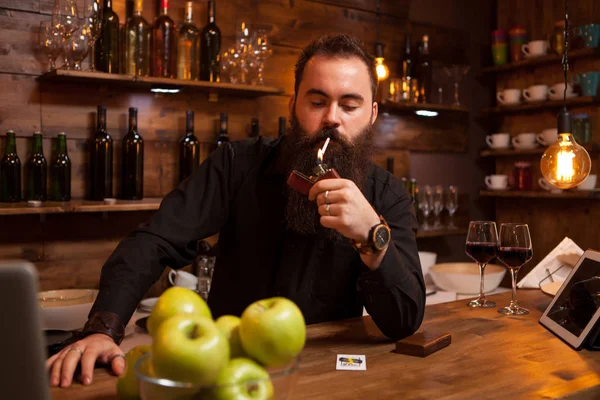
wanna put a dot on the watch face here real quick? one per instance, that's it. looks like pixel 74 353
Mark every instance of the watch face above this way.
pixel 381 237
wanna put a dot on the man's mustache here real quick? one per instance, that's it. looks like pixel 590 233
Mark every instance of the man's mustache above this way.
pixel 332 133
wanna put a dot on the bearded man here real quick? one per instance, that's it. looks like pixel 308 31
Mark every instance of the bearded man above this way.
pixel 350 243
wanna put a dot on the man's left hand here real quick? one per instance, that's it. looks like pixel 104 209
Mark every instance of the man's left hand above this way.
pixel 343 207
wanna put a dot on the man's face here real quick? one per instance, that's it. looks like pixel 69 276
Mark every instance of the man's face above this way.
pixel 335 93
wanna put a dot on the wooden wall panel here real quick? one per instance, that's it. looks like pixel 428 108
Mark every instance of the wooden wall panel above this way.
pixel 19 104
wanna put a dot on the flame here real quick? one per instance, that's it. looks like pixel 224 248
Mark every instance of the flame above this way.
pixel 564 166
pixel 321 151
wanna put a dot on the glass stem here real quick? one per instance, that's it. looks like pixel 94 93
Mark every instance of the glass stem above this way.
pixel 456 101
pixel 481 272
pixel 513 273
pixel 93 58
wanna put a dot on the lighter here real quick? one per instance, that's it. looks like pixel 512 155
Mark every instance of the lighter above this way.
pixel 302 183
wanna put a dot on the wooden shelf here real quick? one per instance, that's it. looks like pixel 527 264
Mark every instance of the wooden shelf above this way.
pixel 60 75
pixel 50 207
pixel 548 59
pixel 542 105
pixel 394 106
pixel 442 232
pixel 542 194
pixel 590 147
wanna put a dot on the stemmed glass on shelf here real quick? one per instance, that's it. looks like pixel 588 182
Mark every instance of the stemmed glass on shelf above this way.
pixel 481 245
pixel 50 40
pixel 92 24
pixel 514 251
pixel 65 18
pixel 451 205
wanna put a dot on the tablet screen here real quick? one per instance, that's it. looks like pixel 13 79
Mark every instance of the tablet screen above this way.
pixel 579 300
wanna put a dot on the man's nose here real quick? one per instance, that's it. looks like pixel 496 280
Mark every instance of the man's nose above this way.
pixel 331 119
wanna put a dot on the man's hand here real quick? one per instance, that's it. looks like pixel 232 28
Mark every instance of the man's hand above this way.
pixel 94 347
pixel 343 207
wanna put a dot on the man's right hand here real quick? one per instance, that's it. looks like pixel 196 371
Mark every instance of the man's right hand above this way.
pixel 97 346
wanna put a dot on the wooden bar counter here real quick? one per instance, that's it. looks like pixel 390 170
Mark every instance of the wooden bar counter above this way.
pixel 491 356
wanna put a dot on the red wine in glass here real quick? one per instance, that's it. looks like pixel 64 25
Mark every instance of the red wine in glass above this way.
pixel 481 253
pixel 514 257
pixel 514 250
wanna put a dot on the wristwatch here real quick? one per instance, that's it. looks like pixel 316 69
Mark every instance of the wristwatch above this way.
pixel 378 239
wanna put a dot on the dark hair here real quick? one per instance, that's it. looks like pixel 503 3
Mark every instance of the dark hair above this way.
pixel 339 45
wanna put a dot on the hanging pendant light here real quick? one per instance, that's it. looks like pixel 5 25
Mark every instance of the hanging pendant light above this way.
pixel 565 164
pixel 382 70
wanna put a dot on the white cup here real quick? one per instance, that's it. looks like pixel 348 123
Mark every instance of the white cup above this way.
pixel 589 183
pixel 547 136
pixel 509 96
pixel 496 182
pixel 524 141
pixel 536 93
pixel 535 48
pixel 183 279
pixel 498 140
pixel 558 90
pixel 544 184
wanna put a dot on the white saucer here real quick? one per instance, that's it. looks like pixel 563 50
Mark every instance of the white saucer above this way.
pixel 499 148
pixel 505 104
pixel 497 190
pixel 534 55
pixel 525 147
pixel 560 97
pixel 536 100
pixel 148 304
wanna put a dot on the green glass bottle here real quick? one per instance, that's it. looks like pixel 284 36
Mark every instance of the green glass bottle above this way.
pixel 60 169
pixel 132 180
pixel 36 171
pixel 10 171
pixel 137 43
pixel 107 47
pixel 189 149
pixel 223 134
pixel 101 160
pixel 210 47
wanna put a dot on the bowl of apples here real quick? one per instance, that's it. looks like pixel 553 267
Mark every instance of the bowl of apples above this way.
pixel 192 356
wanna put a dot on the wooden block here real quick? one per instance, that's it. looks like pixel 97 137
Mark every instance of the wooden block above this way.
pixel 422 344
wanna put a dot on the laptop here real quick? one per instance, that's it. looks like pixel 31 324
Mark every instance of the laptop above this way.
pixel 22 370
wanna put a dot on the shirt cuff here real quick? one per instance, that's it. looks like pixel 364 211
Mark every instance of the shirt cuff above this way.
pixel 105 322
pixel 388 275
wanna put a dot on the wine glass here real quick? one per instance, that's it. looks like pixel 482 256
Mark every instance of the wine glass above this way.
pixel 438 204
pixel 457 72
pixel 66 19
pixel 514 250
pixel 92 21
pixel 482 241
pixel 50 42
pixel 77 47
pixel 425 204
pixel 451 204
pixel 262 50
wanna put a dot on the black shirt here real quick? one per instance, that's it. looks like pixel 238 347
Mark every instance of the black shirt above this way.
pixel 239 193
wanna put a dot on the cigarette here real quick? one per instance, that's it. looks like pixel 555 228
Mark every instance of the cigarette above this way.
pixel 325 146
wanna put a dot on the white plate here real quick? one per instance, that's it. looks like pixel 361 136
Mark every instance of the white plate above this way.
pixel 148 304
pixel 65 310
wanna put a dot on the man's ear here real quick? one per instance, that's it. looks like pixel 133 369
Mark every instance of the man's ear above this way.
pixel 374 113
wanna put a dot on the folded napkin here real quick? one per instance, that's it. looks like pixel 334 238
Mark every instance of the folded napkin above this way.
pixel 551 265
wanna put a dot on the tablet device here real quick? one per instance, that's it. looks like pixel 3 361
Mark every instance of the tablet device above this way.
pixel 574 312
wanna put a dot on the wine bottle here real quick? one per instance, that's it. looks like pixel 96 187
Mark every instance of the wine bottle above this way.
pixel 60 169
pixel 188 48
pixel 129 7
pixel 164 44
pixel 282 126
pixel 101 160
pixel 189 149
pixel 132 180
pixel 10 171
pixel 36 171
pixel 107 46
pixel 210 47
pixel 137 43
pixel 407 69
pixel 254 127
pixel 424 71
pixel 222 138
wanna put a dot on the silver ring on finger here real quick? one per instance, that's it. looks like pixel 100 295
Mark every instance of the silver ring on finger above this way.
pixel 327 197
pixel 77 349
pixel 327 207
pixel 116 356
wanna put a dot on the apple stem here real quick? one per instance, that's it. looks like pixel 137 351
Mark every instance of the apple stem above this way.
pixel 194 334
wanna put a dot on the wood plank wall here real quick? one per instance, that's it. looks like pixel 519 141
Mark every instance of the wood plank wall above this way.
pixel 69 250
pixel 550 220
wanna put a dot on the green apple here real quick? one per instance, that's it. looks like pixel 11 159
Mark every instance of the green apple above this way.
pixel 243 379
pixel 230 326
pixel 175 301
pixel 189 348
pixel 273 331
pixel 127 386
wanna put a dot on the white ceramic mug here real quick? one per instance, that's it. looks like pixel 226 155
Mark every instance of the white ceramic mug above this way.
pixel 544 184
pixel 589 183
pixel 558 90
pixel 524 141
pixel 547 136
pixel 183 279
pixel 498 140
pixel 535 48
pixel 536 93
pixel 509 96
pixel 496 182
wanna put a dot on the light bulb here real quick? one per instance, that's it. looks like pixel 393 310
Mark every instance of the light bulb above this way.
pixel 565 164
pixel 382 70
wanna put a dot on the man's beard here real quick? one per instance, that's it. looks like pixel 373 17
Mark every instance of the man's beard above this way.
pixel 349 158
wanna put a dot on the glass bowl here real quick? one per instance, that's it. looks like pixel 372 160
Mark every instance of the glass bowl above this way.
pixel 65 310
pixel 283 380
